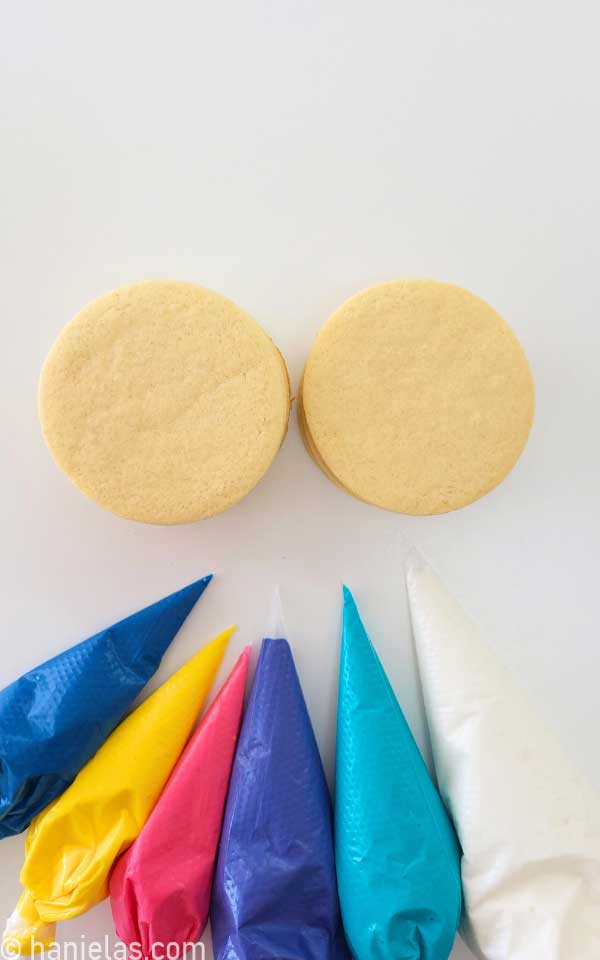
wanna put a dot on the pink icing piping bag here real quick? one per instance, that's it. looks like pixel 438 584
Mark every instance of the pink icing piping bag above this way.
pixel 160 889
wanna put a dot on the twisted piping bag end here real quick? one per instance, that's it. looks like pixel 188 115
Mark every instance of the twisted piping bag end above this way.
pixel 277 629
pixel 26 934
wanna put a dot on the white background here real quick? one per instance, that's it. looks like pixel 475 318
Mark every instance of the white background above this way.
pixel 288 154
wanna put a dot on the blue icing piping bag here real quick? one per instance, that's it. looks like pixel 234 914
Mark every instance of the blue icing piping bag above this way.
pixel 54 718
pixel 275 893
pixel 397 856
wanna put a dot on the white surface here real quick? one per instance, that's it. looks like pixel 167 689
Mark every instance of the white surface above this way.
pixel 288 154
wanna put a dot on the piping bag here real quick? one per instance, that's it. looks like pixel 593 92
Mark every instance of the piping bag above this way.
pixel 528 822
pixel 397 856
pixel 54 718
pixel 71 847
pixel 275 894
pixel 160 889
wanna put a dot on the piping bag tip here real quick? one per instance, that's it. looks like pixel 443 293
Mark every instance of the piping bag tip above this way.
pixel 222 639
pixel 202 583
pixel 414 563
pixel 277 628
pixel 212 654
pixel 352 626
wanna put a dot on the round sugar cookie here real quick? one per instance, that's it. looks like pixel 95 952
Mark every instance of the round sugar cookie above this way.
pixel 416 397
pixel 164 402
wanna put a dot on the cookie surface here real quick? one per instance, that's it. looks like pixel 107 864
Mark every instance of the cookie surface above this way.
pixel 164 402
pixel 416 397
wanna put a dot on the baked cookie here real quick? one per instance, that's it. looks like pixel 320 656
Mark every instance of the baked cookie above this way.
pixel 416 397
pixel 164 402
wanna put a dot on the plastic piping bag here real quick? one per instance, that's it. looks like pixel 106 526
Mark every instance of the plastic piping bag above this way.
pixel 275 893
pixel 160 889
pixel 54 718
pixel 71 847
pixel 397 856
pixel 528 821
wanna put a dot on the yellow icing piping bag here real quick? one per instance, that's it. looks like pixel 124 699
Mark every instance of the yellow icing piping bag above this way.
pixel 72 845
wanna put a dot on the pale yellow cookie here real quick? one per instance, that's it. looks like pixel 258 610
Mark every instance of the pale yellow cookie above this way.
pixel 416 397
pixel 164 402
